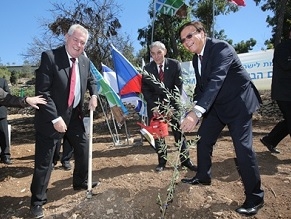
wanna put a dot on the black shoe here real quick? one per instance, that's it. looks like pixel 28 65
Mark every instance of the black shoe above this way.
pixel 160 168
pixel 6 160
pixel 250 209
pixel 36 211
pixel 85 186
pixel 270 147
pixel 189 165
pixel 196 181
pixel 67 166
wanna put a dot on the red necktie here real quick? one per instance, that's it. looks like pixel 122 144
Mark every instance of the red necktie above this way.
pixel 161 73
pixel 72 83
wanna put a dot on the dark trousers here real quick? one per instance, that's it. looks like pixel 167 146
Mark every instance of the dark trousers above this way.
pixel 44 152
pixel 161 147
pixel 67 153
pixel 282 128
pixel 4 139
pixel 241 133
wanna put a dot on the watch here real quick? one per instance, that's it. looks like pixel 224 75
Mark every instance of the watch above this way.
pixel 198 113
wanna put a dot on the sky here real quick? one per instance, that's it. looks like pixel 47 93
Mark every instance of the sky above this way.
pixel 20 21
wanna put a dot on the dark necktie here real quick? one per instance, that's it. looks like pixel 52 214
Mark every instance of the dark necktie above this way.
pixel 200 57
pixel 72 83
pixel 161 73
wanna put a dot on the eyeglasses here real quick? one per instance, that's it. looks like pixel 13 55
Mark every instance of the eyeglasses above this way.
pixel 189 36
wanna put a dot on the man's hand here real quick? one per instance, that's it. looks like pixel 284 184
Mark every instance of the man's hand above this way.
pixel 33 101
pixel 60 126
pixel 189 123
pixel 93 103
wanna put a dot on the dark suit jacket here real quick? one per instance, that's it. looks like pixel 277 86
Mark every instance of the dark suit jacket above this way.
pixel 52 81
pixel 281 79
pixel 7 99
pixel 224 85
pixel 3 109
pixel 153 92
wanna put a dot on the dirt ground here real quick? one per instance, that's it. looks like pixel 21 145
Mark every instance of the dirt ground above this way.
pixel 129 186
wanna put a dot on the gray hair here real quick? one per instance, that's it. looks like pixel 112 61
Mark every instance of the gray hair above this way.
pixel 158 44
pixel 75 27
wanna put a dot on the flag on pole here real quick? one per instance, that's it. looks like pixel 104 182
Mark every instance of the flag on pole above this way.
pixel 128 79
pixel 171 7
pixel 110 77
pixel 238 2
pixel 131 98
pixel 105 90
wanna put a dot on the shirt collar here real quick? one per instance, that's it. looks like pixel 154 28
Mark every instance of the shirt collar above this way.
pixel 163 64
pixel 77 60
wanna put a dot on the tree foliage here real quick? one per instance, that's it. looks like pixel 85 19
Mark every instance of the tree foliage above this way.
pixel 281 20
pixel 166 28
pixel 100 17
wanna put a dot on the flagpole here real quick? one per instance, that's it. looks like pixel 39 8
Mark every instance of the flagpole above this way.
pixel 153 22
pixel 213 17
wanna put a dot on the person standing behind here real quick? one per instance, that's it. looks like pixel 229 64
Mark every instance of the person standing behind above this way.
pixel 67 154
pixel 4 136
pixel 224 95
pixel 61 69
pixel 10 100
pixel 281 93
pixel 171 77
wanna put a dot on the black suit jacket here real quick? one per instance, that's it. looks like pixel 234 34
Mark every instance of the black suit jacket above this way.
pixel 4 86
pixel 153 92
pixel 7 99
pixel 52 81
pixel 224 84
pixel 281 79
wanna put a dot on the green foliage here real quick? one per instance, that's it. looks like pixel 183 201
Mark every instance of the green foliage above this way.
pixel 243 47
pixel 14 77
pixel 100 17
pixel 4 73
pixel 166 28
pixel 280 21
pixel 23 91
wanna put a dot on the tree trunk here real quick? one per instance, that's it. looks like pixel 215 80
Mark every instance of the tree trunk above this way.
pixel 280 22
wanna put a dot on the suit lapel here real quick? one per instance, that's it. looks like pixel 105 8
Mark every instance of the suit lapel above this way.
pixel 166 70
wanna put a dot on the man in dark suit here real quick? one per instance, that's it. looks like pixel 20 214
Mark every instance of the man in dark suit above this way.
pixel 224 95
pixel 171 77
pixel 4 136
pixel 281 93
pixel 61 69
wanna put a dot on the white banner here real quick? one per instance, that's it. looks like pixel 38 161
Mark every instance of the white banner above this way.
pixel 258 64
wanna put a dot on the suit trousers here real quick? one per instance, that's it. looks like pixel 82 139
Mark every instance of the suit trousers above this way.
pixel 161 147
pixel 241 133
pixel 67 153
pixel 44 152
pixel 282 128
pixel 4 139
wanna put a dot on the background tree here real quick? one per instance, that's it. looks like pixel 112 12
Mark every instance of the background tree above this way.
pixel 281 20
pixel 14 77
pixel 166 28
pixel 100 17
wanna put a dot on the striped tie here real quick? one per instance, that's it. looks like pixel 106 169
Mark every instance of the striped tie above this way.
pixel 161 73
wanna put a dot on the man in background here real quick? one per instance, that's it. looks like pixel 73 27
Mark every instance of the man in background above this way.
pixel 281 93
pixel 167 71
pixel 4 136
